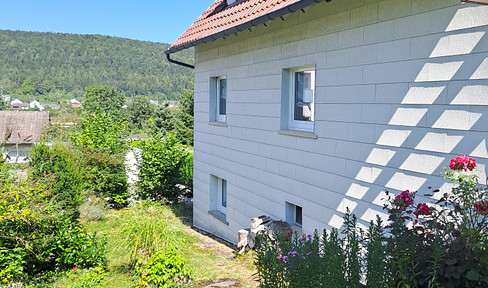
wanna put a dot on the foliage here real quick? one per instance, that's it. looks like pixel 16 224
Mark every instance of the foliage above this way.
pixel 100 98
pixel 106 176
pixel 62 164
pixel 86 278
pixel 178 120
pixel 148 229
pixel 441 244
pixel 139 112
pixel 160 169
pixel 163 269
pixel 39 234
pixel 186 172
pixel 100 131
pixel 52 66
pixel 92 209
pixel 311 260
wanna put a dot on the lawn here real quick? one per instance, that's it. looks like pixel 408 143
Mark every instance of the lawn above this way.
pixel 211 260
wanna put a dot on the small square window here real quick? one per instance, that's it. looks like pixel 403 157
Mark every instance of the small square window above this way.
pixel 218 99
pixel 293 214
pixel 298 99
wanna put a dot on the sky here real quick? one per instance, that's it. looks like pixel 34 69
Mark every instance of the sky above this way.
pixel 160 21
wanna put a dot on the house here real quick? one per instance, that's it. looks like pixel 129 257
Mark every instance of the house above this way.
pixel 36 104
pixel 19 105
pixel 74 103
pixel 304 109
pixel 19 130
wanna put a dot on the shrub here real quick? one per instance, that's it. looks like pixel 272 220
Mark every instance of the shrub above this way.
pixel 86 278
pixel 106 176
pixel 163 269
pixel 442 244
pixel 92 209
pixel 40 235
pixel 160 169
pixel 186 172
pixel 62 164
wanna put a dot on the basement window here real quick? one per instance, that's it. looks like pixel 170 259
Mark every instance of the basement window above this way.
pixel 293 214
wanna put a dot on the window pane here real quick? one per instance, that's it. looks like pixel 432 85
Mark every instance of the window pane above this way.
pixel 304 96
pixel 224 193
pixel 298 215
pixel 222 96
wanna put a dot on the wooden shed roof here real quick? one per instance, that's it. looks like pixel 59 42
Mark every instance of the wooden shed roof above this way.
pixel 22 126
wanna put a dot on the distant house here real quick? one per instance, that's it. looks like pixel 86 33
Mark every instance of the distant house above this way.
pixel 75 103
pixel 306 108
pixel 19 130
pixel 36 104
pixel 19 105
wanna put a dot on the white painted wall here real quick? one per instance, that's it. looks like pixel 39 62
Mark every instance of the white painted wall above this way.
pixel 401 88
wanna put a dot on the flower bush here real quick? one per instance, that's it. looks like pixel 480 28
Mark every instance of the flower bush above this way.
pixel 438 244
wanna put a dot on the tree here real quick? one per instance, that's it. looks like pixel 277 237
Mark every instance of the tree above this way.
pixel 104 99
pixel 139 110
pixel 184 125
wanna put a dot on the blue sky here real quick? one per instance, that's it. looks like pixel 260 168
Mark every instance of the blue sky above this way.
pixel 148 20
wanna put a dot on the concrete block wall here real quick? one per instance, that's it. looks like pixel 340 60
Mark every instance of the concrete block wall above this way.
pixel 401 88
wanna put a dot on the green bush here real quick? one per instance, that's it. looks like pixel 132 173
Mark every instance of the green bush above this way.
pixel 86 278
pixel 443 244
pixel 39 234
pixel 186 172
pixel 163 269
pixel 62 164
pixel 106 176
pixel 159 173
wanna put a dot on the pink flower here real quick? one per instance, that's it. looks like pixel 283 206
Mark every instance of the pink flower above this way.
pixel 75 269
pixel 403 200
pixel 462 163
pixel 422 209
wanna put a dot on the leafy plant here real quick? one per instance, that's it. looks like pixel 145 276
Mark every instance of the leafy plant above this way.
pixel 160 169
pixel 163 269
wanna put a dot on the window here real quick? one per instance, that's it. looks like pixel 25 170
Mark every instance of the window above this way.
pixel 293 214
pixel 222 196
pixel 218 99
pixel 298 99
pixel 218 198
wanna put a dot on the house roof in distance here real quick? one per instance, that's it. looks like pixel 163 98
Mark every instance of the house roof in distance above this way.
pixel 22 126
pixel 221 20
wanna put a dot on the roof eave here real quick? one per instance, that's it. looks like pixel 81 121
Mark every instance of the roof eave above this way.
pixel 244 26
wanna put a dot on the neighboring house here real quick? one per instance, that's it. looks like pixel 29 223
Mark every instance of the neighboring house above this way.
pixel 75 103
pixel 302 115
pixel 19 130
pixel 19 105
pixel 36 104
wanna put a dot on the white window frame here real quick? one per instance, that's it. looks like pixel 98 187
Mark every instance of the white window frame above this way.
pixel 307 126
pixel 218 116
pixel 222 195
pixel 291 211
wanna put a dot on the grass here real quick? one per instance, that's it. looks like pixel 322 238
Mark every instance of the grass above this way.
pixel 148 227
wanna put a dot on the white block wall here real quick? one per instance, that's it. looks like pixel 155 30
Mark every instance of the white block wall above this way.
pixel 401 88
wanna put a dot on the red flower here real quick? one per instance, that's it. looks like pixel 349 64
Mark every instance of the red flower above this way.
pixel 75 269
pixel 481 207
pixel 403 200
pixel 422 209
pixel 462 163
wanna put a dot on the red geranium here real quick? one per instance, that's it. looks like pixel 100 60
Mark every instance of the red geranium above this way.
pixel 462 163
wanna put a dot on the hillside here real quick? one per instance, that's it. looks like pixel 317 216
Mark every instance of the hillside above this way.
pixel 54 66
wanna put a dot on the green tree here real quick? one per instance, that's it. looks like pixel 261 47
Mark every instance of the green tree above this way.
pixel 104 99
pixel 139 111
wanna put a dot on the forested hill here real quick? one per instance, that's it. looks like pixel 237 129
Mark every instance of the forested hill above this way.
pixel 46 66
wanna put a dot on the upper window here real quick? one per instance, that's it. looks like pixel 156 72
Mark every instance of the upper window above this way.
pixel 218 99
pixel 298 99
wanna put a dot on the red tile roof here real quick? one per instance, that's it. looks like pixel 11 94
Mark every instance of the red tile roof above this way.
pixel 221 20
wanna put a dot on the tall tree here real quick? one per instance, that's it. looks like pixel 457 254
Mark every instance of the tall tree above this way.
pixel 103 98
pixel 139 110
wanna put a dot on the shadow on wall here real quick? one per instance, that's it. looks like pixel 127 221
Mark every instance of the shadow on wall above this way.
pixel 440 114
